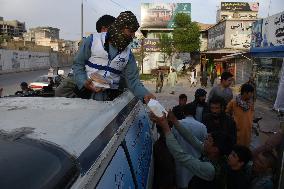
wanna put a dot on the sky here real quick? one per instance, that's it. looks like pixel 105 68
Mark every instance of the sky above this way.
pixel 66 15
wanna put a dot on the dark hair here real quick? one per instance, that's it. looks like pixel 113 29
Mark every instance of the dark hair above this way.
pixel 182 96
pixel 223 142
pixel 246 88
pixel 226 75
pixel 105 20
pixel 200 92
pixel 189 109
pixel 243 153
pixel 218 100
pixel 24 84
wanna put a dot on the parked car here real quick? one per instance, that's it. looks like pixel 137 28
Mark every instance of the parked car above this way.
pixel 75 143
pixel 43 81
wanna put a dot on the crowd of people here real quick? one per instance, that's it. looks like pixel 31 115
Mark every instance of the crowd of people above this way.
pixel 206 144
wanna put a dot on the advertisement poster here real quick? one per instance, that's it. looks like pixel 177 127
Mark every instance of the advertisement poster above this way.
pixel 273 30
pixel 239 6
pixel 216 36
pixel 268 32
pixel 256 36
pixel 161 15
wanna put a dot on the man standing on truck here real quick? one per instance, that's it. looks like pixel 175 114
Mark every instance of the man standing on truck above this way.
pixel 108 56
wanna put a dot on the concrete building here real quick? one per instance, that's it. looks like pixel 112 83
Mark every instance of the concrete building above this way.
pixel 12 28
pixel 229 40
pixel 70 47
pixel 37 33
pixel 45 36
pixel 157 19
pixel 204 35
pixel 55 44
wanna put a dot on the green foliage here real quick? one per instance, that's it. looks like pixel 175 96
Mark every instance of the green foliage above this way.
pixel 146 77
pixel 182 20
pixel 4 38
pixel 186 34
pixel 166 45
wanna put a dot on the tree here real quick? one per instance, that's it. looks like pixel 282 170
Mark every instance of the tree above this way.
pixel 166 46
pixel 186 34
pixel 5 38
pixel 140 55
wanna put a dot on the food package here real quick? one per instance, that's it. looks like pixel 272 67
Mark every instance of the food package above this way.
pixel 156 108
pixel 99 81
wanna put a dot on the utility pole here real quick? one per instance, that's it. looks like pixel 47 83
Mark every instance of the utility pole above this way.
pixel 82 20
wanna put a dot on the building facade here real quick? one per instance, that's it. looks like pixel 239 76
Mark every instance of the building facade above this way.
pixel 12 28
pixel 229 40
pixel 37 33
pixel 157 19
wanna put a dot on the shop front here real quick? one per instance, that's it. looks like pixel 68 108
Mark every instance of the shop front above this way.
pixel 267 50
pixel 268 73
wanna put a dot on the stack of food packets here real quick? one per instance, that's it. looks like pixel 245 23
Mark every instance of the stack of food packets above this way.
pixel 99 81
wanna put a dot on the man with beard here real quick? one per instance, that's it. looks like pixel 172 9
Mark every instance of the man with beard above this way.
pixel 218 120
pixel 105 59
pixel 179 109
pixel 201 107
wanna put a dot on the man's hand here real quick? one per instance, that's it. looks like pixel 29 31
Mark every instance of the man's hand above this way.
pixel 91 87
pixel 172 118
pixel 148 97
pixel 161 122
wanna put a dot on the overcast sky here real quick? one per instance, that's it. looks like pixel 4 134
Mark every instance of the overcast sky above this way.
pixel 65 14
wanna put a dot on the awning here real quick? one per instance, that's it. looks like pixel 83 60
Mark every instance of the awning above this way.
pixel 222 51
pixel 274 51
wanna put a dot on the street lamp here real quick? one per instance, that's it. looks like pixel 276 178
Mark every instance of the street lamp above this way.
pixel 82 15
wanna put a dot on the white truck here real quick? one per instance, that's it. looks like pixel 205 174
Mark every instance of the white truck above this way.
pixel 75 143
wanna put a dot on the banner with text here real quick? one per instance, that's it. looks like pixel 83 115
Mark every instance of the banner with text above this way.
pixel 161 15
pixel 239 6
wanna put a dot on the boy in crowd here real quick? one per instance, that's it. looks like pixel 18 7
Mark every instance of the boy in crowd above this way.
pixel 209 171
pixel 179 109
pixel 223 89
pixel 237 177
pixel 183 175
pixel 242 110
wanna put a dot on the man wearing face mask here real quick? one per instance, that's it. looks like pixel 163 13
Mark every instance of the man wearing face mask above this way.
pixel 201 107
pixel 107 58
pixel 218 120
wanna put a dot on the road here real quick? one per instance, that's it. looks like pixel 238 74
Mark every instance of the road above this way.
pixel 11 82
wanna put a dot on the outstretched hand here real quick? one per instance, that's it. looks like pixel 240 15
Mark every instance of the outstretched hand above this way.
pixel 161 122
pixel 148 97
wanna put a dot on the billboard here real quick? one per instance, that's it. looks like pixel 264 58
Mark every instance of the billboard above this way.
pixel 268 32
pixel 161 15
pixel 216 36
pixel 239 6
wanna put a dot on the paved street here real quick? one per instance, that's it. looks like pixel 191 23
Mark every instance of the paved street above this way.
pixel 11 81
